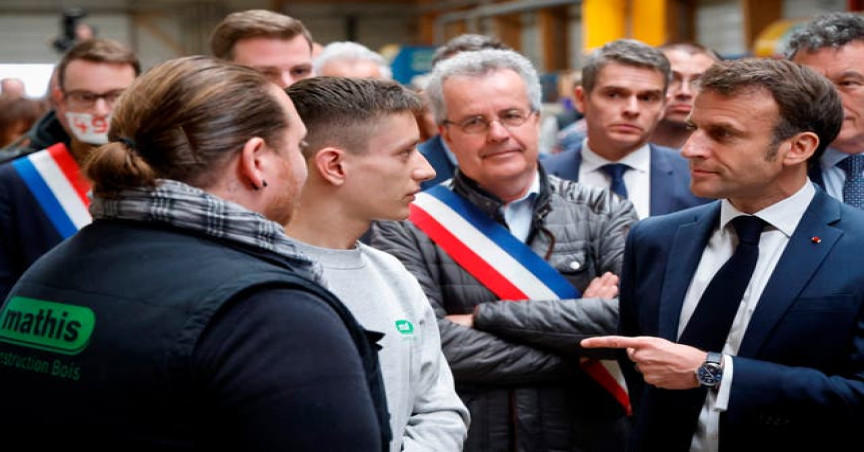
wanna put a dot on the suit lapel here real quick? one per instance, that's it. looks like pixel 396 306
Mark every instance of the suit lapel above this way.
pixel 661 186
pixel 801 259
pixel 442 160
pixel 436 154
pixel 577 162
pixel 684 256
pixel 568 165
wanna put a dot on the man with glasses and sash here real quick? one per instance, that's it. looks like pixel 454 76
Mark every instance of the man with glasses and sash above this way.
pixel 43 197
pixel 502 229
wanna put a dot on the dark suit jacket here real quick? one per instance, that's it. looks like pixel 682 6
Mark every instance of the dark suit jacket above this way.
pixel 670 177
pixel 435 152
pixel 815 174
pixel 798 380
pixel 26 232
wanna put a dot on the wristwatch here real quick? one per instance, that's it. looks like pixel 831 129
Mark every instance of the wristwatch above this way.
pixel 710 373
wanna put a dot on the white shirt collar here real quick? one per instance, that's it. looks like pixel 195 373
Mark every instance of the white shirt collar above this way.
pixel 639 159
pixel 534 189
pixel 831 158
pixel 783 215
pixel 519 213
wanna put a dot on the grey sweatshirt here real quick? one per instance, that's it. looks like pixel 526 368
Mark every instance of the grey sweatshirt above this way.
pixel 426 414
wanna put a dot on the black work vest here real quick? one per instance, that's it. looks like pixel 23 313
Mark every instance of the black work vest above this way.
pixel 152 290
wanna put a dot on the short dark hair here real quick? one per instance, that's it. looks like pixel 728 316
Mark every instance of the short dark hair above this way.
pixel 337 110
pixel 97 50
pixel 628 52
pixel 826 30
pixel 467 42
pixel 254 23
pixel 806 100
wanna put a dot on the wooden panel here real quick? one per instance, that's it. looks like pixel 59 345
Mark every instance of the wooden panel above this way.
pixel 453 29
pixel 426 29
pixel 757 15
pixel 509 30
pixel 555 39
pixel 681 20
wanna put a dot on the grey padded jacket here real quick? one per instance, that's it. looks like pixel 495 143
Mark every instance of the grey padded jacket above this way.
pixel 523 387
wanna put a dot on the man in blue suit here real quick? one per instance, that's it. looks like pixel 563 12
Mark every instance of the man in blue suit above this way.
pixel 622 95
pixel 788 373
pixel 441 159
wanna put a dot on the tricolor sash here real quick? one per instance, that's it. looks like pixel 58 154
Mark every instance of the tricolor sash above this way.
pixel 54 179
pixel 502 263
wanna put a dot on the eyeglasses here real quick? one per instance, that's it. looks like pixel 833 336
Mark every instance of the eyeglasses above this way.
pixel 479 124
pixel 87 99
pixel 691 82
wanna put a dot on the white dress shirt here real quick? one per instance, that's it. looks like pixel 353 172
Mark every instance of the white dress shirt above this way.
pixel 637 178
pixel 782 219
pixel 518 213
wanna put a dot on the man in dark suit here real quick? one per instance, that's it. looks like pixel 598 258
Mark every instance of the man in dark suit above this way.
pixel 441 159
pixel 786 368
pixel 622 95
pixel 833 44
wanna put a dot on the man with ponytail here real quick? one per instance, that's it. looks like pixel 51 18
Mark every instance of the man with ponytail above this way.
pixel 183 317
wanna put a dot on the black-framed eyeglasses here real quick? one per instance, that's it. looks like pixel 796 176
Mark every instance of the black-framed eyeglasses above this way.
pixel 480 124
pixel 87 99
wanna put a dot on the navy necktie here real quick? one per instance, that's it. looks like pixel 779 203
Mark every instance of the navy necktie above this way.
pixel 616 173
pixel 709 326
pixel 853 188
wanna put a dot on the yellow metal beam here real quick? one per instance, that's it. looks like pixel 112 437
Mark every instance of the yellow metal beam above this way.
pixel 648 21
pixel 608 20
pixel 603 21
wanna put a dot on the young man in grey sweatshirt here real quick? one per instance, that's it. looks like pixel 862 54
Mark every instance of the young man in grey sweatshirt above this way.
pixel 363 165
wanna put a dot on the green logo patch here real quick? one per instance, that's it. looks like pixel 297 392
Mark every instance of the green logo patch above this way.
pixel 46 325
pixel 405 327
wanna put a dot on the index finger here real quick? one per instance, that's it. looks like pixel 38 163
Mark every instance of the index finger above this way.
pixel 610 342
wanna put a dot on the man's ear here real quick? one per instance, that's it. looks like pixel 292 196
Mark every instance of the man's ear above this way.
pixel 801 147
pixel 444 131
pixel 252 164
pixel 57 95
pixel 330 164
pixel 579 99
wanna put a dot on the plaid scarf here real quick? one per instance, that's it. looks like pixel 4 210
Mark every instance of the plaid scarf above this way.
pixel 187 207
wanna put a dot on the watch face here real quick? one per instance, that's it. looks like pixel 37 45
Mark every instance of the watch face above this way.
pixel 710 374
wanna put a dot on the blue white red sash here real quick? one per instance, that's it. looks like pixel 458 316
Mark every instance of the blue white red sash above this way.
pixel 54 179
pixel 505 265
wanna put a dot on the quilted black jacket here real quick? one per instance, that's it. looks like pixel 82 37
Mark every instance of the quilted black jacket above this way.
pixel 524 389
